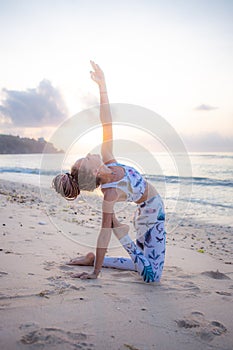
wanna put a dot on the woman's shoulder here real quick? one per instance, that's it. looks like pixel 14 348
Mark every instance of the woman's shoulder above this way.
pixel 111 161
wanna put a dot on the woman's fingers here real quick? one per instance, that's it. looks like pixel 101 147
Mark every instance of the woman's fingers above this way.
pixel 94 65
pixel 97 74
pixel 92 75
pixel 96 77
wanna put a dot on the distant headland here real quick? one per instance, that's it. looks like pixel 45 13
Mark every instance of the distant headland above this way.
pixel 21 145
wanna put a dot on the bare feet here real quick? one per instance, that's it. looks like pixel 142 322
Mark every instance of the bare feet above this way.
pixel 87 260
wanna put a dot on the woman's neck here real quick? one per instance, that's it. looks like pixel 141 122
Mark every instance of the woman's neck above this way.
pixel 107 177
pixel 112 175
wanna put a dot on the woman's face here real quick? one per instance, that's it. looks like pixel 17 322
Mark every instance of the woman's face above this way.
pixel 91 162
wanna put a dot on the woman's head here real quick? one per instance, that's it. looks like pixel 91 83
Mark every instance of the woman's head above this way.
pixel 83 176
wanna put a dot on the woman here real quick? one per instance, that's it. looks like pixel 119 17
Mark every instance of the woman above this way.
pixel 118 182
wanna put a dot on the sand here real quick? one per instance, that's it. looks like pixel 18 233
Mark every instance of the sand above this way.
pixel 43 307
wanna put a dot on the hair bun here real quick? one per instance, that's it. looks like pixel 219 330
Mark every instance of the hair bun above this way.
pixel 66 185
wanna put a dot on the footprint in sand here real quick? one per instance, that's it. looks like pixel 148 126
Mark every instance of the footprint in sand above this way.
pixel 117 298
pixel 216 275
pixel 49 265
pixel 212 329
pixel 181 284
pixel 65 267
pixel 58 338
pixel 227 294
pixel 203 328
pixel 123 274
pixel 190 286
pixel 61 285
pixel 173 270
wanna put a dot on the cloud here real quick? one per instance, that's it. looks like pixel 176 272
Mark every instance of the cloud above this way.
pixel 204 107
pixel 42 106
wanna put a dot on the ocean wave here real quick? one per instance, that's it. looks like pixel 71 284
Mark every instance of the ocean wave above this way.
pixel 202 181
pixel 214 156
pixel 199 181
pixel 33 171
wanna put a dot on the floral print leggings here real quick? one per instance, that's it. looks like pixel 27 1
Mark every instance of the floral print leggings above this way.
pixel 148 254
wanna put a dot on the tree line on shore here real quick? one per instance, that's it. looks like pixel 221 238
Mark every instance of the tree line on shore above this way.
pixel 10 144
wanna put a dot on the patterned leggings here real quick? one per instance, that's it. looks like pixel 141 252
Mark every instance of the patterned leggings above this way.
pixel 147 255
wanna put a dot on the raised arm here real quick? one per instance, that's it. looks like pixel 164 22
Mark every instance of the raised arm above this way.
pixel 105 114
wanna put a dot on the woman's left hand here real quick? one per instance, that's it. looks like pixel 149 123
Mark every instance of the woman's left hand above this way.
pixel 98 75
pixel 85 275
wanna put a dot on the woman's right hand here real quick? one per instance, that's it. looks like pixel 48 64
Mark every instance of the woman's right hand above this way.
pixel 98 76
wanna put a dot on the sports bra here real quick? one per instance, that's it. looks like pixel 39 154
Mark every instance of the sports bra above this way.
pixel 133 184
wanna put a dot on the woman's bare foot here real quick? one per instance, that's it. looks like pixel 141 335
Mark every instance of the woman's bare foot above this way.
pixel 87 260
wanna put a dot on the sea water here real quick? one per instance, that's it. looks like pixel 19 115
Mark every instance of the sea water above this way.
pixel 205 194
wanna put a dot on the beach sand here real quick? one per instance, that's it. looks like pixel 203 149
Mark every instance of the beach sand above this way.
pixel 43 307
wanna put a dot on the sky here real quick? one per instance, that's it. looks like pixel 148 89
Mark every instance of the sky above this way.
pixel 173 57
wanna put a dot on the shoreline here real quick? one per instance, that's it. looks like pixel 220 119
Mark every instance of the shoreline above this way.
pixel 42 306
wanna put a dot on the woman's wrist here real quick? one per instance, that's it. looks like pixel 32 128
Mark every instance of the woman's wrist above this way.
pixel 103 88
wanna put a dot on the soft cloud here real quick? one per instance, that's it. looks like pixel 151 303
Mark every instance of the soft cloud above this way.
pixel 42 106
pixel 204 107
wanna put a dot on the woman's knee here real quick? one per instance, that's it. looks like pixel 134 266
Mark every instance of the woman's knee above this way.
pixel 119 229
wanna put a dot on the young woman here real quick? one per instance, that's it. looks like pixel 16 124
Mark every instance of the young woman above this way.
pixel 118 182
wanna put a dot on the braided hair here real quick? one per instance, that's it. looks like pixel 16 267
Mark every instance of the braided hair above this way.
pixel 70 185
pixel 66 185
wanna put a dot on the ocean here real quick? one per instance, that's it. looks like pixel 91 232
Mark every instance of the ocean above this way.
pixel 204 194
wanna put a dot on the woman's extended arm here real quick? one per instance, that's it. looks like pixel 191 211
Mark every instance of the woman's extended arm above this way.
pixel 105 114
